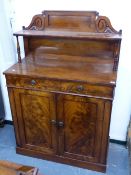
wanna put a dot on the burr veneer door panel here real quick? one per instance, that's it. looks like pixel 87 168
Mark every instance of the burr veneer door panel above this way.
pixel 35 111
pixel 80 136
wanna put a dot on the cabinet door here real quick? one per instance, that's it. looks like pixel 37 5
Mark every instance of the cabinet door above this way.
pixel 34 111
pixel 81 127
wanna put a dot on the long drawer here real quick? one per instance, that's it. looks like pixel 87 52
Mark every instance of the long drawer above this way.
pixel 61 86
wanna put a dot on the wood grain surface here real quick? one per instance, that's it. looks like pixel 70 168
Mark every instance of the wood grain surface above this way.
pixel 11 168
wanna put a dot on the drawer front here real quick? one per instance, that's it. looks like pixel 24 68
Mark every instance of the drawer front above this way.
pixel 61 86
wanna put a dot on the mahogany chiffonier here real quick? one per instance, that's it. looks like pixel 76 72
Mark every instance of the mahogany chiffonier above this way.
pixel 61 93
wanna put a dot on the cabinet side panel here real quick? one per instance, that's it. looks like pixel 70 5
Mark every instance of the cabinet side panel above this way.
pixel 106 126
pixel 14 115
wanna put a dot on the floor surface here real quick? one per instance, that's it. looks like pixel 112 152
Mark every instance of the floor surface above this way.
pixel 117 158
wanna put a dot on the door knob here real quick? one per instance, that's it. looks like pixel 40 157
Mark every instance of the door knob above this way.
pixel 57 124
pixel 60 124
pixel 53 122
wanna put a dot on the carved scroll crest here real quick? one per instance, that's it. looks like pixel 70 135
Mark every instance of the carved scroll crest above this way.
pixel 103 25
pixel 37 23
pixel 99 24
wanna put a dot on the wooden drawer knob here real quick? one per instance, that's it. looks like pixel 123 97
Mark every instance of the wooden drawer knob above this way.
pixel 80 88
pixel 33 82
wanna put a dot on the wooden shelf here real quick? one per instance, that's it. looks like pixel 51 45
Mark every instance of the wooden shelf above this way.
pixel 68 34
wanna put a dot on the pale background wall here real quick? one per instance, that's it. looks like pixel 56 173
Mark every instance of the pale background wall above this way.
pixel 21 13
pixel 7 53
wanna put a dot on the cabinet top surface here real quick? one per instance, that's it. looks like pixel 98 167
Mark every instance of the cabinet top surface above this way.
pixel 64 67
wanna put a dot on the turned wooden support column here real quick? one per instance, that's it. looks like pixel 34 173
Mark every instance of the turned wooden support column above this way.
pixel 18 50
pixel 116 56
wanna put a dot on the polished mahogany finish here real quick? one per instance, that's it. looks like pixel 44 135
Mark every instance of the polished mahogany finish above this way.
pixel 61 93
pixel 10 168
